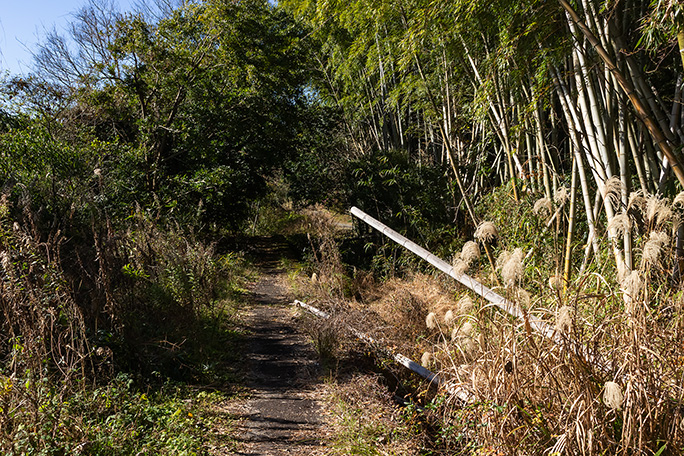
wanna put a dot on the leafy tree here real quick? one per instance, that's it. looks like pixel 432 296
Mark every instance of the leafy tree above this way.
pixel 206 98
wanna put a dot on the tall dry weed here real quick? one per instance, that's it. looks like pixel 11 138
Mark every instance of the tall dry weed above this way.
pixel 42 329
pixel 609 379
pixel 321 232
pixel 608 384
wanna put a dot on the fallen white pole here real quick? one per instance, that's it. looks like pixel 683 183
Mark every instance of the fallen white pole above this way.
pixel 408 363
pixel 488 294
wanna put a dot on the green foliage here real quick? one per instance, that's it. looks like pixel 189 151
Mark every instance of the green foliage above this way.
pixel 400 192
pixel 116 419
pixel 316 173
pixel 190 110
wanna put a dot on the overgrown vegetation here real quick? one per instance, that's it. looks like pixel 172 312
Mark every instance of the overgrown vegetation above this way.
pixel 91 357
pixel 535 145
pixel 610 363
pixel 118 311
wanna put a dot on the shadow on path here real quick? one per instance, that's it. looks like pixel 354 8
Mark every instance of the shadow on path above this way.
pixel 282 415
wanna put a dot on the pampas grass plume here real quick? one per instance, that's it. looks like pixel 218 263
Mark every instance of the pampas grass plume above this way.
pixel 555 282
pixel 449 317
pixel 431 320
pixel 620 224
pixel 465 305
pixel 543 205
pixel 524 297
pixel 657 210
pixel 462 332
pixel 637 199
pixel 562 196
pixel 470 252
pixel 679 199
pixel 486 232
pixel 665 214
pixel 460 266
pixel 512 270
pixel 5 260
pixel 612 395
pixel 631 287
pixel 454 333
pixel 653 248
pixel 426 359
pixel 468 345
pixel 564 319
pixel 613 189
pixel 503 258
pixel 466 329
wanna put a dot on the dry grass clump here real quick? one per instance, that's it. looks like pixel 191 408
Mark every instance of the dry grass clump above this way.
pixel 612 374
pixel 329 336
pixel 400 311
pixel 398 317
pixel 608 381
pixel 365 420
pixel 424 287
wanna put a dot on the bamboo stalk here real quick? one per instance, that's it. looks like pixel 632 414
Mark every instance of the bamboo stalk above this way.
pixel 597 140
pixel 624 182
pixel 571 227
pixel 576 145
pixel 629 90
pixel 680 41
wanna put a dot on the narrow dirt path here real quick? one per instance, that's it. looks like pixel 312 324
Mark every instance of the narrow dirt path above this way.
pixel 282 415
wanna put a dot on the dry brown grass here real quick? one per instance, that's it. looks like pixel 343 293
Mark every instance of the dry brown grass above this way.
pixel 365 420
pixel 42 330
pixel 611 383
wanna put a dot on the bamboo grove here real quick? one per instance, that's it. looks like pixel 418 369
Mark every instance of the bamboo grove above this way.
pixel 539 94
pixel 577 106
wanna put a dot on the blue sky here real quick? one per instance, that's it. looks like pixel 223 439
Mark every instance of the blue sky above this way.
pixel 22 23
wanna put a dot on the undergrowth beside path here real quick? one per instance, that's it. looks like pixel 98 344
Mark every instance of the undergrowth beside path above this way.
pixel 142 376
